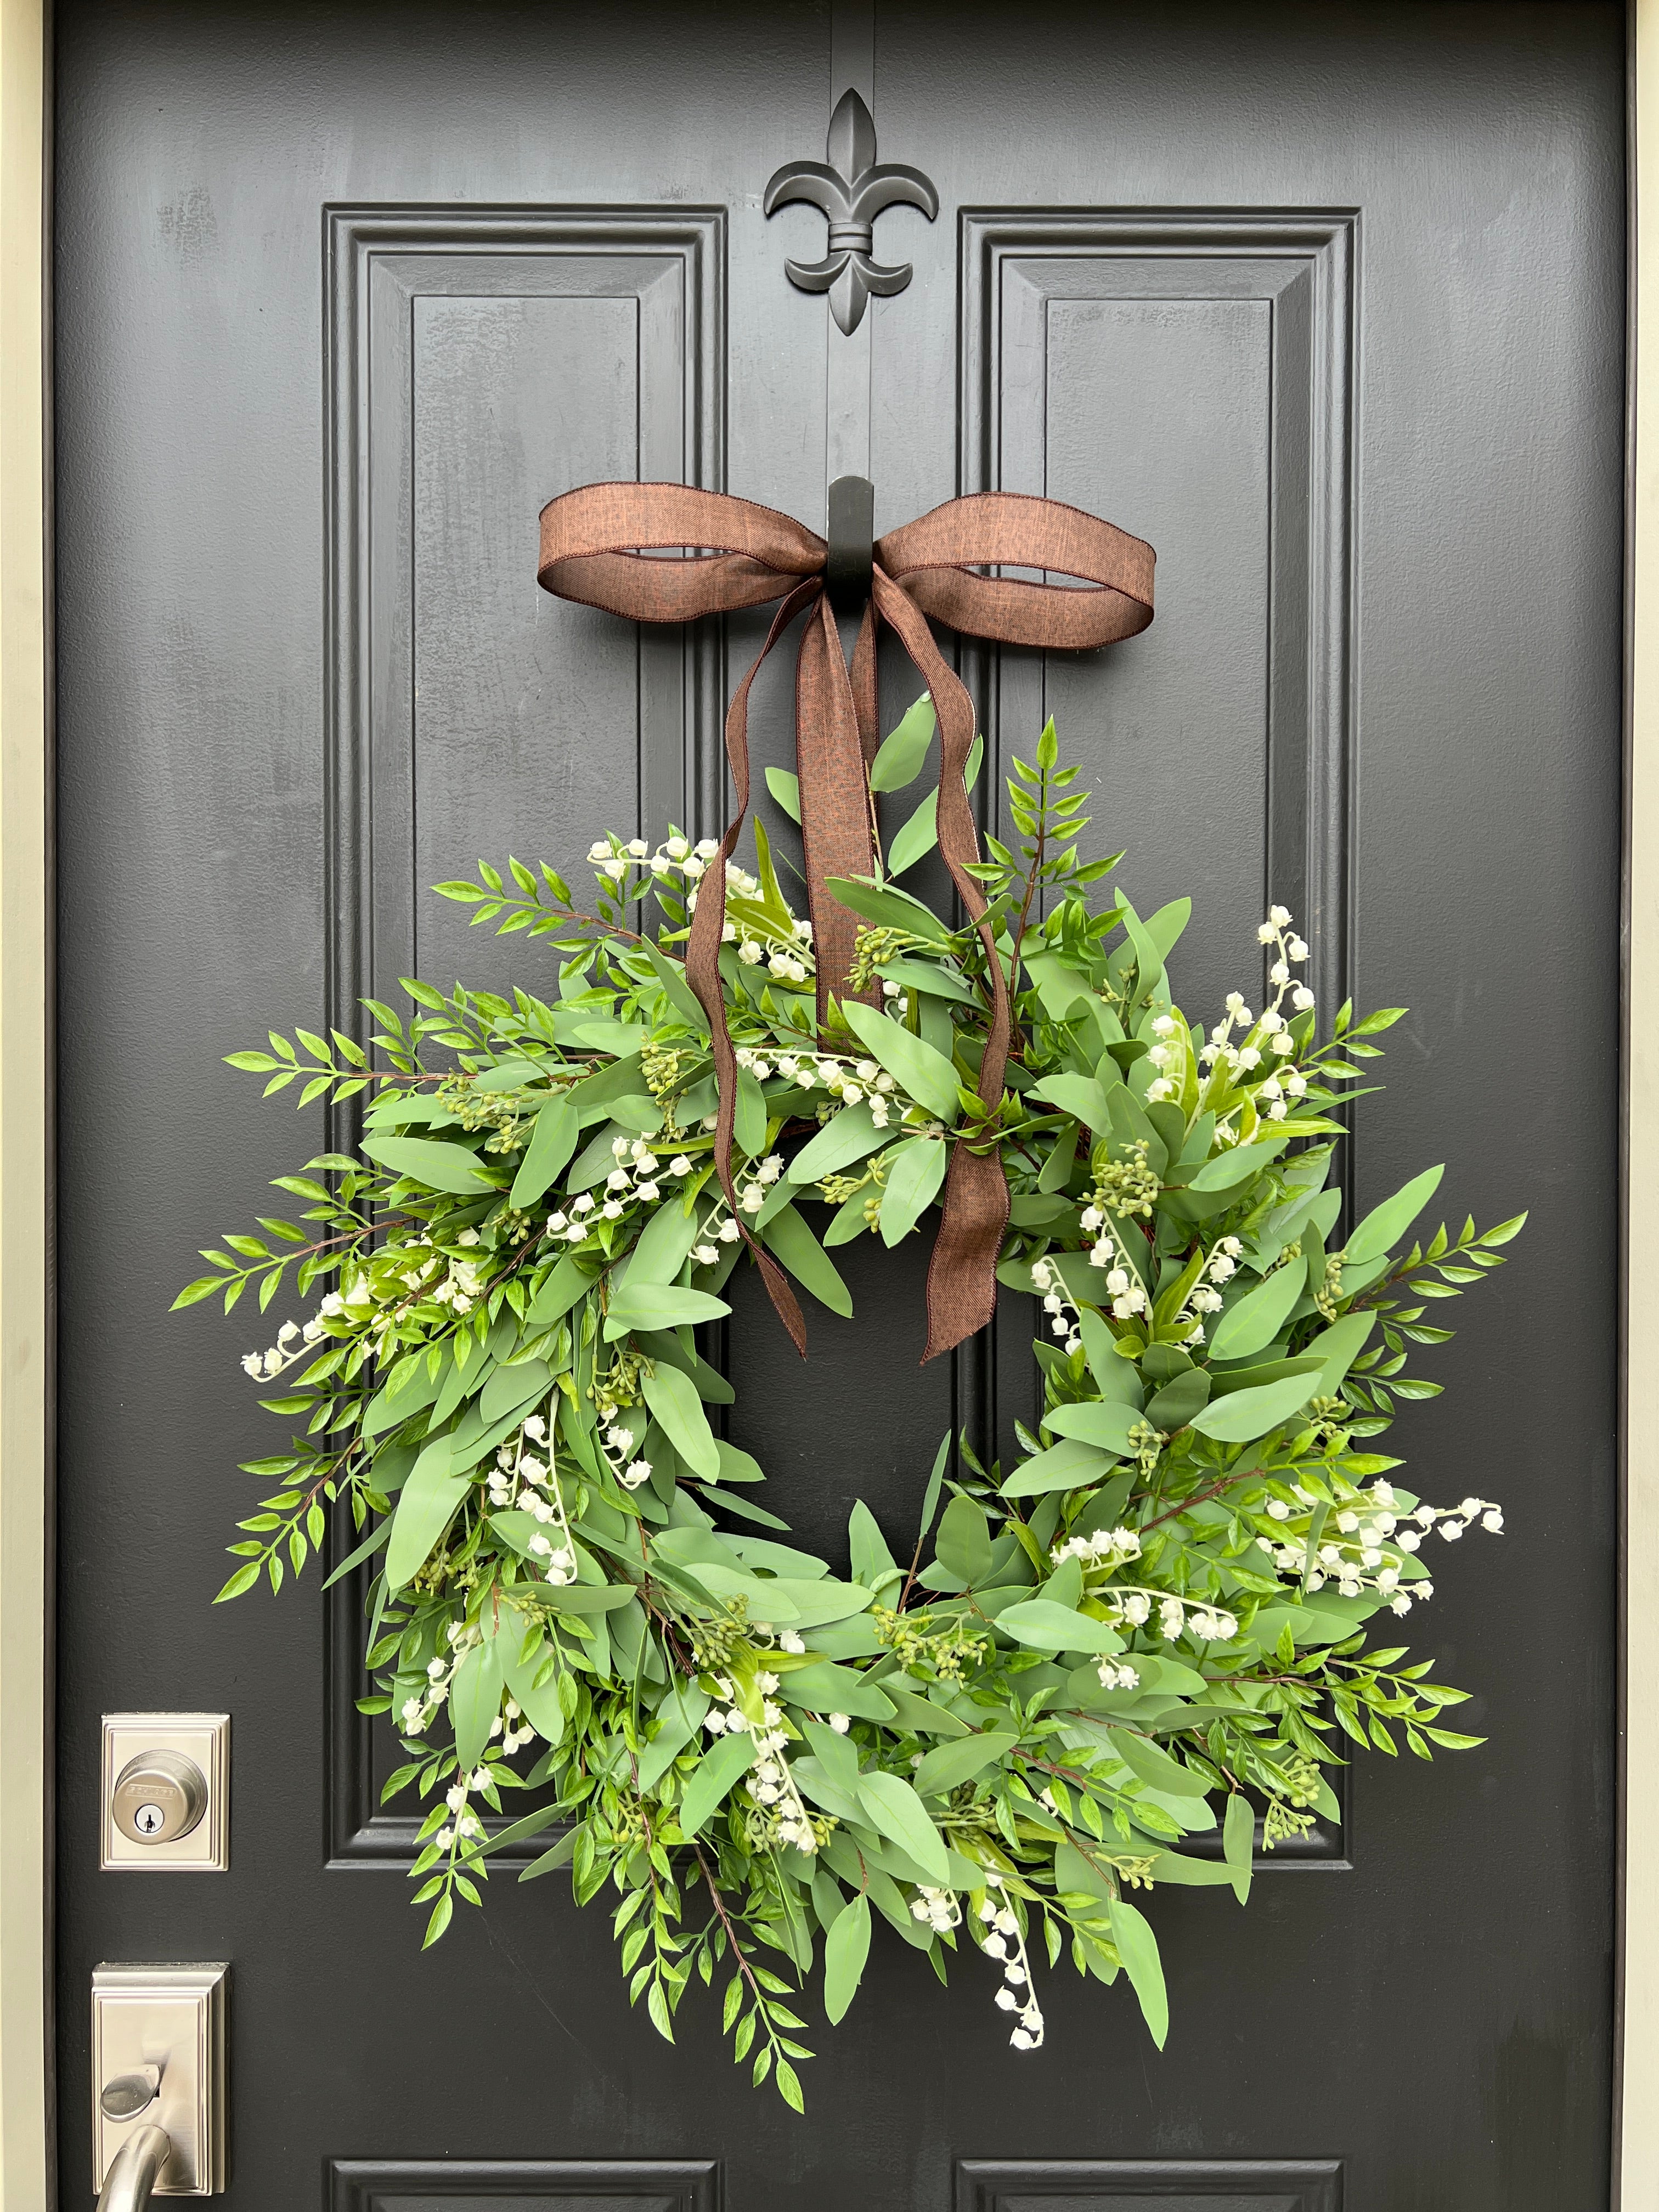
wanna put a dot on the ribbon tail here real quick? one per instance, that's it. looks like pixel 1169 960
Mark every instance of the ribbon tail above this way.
pixel 835 799
pixel 961 1275
pixel 703 968
pixel 961 1288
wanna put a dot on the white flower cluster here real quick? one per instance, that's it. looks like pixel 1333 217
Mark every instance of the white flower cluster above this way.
pixel 1057 1304
pixel 751 1195
pixel 467 1824
pixel 635 1180
pixel 721 1226
pixel 1205 1297
pixel 1123 1285
pixel 675 856
pixel 416 1712
pixel 618 1441
pixel 1271 1034
pixel 1000 1938
pixel 845 1081
pixel 769 1784
pixel 292 1343
pixel 1113 1676
pixel 784 960
pixel 460 1288
pixel 937 1909
pixel 1166 1056
pixel 348 1306
pixel 1106 1548
pixel 520 1479
pixel 1358 1558
pixel 1205 1624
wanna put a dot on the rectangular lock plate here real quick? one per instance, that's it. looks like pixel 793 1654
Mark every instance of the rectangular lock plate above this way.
pixel 171 2017
pixel 202 1740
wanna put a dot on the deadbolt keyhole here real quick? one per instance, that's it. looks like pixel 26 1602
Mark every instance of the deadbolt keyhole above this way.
pixel 159 1796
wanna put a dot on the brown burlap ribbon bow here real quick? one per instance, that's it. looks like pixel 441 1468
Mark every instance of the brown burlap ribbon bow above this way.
pixel 596 547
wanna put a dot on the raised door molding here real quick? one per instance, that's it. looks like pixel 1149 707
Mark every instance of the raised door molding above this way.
pixel 1190 375
pixel 406 2184
pixel 1044 291
pixel 1200 2184
pixel 478 362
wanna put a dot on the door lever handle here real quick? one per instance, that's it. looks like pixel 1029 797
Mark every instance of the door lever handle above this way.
pixel 158 2082
pixel 135 2170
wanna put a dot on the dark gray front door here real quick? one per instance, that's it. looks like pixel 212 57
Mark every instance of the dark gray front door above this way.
pixel 1327 303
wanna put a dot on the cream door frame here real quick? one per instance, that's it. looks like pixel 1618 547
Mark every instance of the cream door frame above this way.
pixel 25 2004
pixel 25 1120
pixel 1637 2144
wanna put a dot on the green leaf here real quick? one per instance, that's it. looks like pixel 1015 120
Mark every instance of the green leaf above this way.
pixel 848 1135
pixel 659 1306
pixel 510 1387
pixel 917 836
pixel 949 1765
pixel 915 1169
pixel 1046 1626
pixel 749 1120
pixel 785 788
pixel 1339 1346
pixel 888 907
pixel 672 1397
pixel 663 1245
pixel 425 1508
pixel 1137 1947
pixel 935 1483
pixel 680 996
pixel 1079 1096
pixel 1259 1316
pixel 366 1550
pixel 561 1855
pixel 1237 1165
pixel 898 1813
pixel 924 1074
pixel 1105 1423
pixel 475 1698
pixel 1238 1843
pixel 713 1778
pixel 963 1542
pixel 569 1282
pixel 439 1166
pixel 787 1234
pixel 900 756
pixel 1115 1379
pixel 1242 1415
pixel 1155 1766
pixel 867 1547
pixel 243 1579
pixel 845 1947
pixel 830 1689
pixel 552 1141
pixel 585 1598
pixel 1068 1465
pixel 1386 1223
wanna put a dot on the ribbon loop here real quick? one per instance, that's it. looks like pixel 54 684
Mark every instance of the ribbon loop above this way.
pixel 602 545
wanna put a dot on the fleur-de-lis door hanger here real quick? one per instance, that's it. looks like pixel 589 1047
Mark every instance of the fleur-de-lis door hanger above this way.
pixel 852 189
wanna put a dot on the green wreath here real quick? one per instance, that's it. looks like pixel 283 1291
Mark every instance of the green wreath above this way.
pixel 1149 1627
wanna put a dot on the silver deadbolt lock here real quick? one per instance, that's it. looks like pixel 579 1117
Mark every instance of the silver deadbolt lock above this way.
pixel 158 1797
pixel 166 1791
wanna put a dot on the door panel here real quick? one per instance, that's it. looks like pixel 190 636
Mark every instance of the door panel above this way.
pixel 1324 302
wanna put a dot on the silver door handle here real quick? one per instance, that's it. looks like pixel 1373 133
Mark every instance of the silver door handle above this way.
pixel 133 2173
pixel 158 2058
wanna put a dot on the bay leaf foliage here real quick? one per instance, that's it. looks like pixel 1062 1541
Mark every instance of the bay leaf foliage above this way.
pixel 1006 1726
